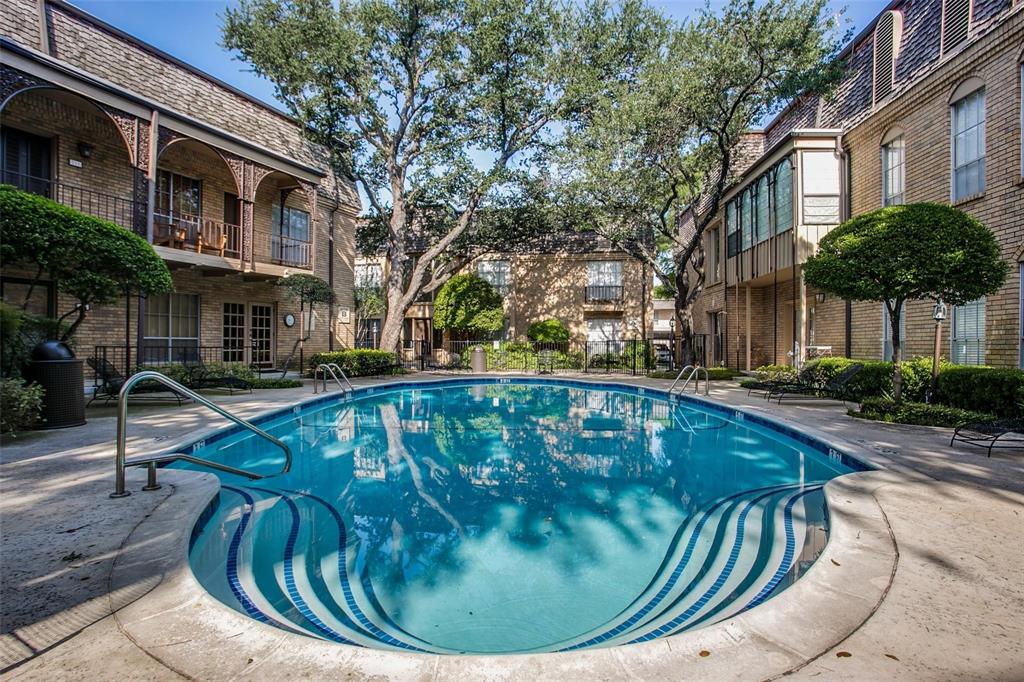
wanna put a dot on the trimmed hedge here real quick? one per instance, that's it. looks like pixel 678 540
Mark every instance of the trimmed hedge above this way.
pixel 985 389
pixel 21 405
pixel 920 414
pixel 359 362
pixel 276 383
pixel 714 373
pixel 548 331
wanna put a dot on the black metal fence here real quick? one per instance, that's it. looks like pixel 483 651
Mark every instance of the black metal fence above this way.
pixel 603 293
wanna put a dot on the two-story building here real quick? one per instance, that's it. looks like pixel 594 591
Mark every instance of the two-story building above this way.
pixel 929 109
pixel 222 185
pixel 601 293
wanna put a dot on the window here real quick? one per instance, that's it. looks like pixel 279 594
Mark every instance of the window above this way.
pixel 763 228
pixel 887 46
pixel 821 188
pixel 969 333
pixel 171 328
pixel 177 196
pixel 25 161
pixel 746 218
pixel 712 249
pixel 604 280
pixel 969 145
pixel 289 242
pixel 234 332
pixel 732 230
pixel 783 190
pixel 892 172
pixel 603 329
pixel 368 333
pixel 495 272
pixel 956 23
pixel 369 275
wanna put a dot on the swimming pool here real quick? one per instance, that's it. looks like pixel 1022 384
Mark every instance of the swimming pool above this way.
pixel 511 516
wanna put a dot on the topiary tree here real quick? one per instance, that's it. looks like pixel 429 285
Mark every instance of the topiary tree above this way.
pixel 90 259
pixel 548 331
pixel 306 290
pixel 469 304
pixel 904 253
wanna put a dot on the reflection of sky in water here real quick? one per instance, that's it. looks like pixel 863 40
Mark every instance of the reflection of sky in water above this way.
pixel 500 517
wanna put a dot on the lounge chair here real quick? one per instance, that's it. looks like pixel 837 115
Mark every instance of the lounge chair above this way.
pixel 990 434
pixel 111 380
pixel 837 388
pixel 804 377
pixel 201 378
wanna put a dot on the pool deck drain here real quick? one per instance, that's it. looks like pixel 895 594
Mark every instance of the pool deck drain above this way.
pixel 923 577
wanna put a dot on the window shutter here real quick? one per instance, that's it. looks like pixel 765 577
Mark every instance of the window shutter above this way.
pixel 885 54
pixel 956 23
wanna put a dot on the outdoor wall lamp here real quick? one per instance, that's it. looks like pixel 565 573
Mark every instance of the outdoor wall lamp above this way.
pixel 939 311
pixel 85 149
pixel 819 298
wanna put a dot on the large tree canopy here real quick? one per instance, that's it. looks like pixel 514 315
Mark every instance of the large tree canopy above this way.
pixel 649 166
pixel 429 102
pixel 92 260
pixel 904 253
pixel 469 304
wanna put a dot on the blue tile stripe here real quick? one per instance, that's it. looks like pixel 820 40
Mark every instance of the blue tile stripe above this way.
pixel 730 564
pixel 231 566
pixel 346 587
pixel 787 556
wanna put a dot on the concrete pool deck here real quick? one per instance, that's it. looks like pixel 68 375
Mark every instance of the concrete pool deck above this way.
pixel 928 582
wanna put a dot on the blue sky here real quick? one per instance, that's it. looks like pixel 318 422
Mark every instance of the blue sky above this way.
pixel 190 30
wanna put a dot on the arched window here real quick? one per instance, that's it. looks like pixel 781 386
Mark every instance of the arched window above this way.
pixel 967 118
pixel 763 229
pixel 956 23
pixel 783 199
pixel 893 167
pixel 746 215
pixel 887 47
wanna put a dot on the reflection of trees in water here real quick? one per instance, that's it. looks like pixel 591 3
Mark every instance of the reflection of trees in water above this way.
pixel 454 460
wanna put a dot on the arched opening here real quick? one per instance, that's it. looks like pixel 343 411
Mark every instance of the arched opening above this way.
pixel 60 145
pixel 283 222
pixel 197 201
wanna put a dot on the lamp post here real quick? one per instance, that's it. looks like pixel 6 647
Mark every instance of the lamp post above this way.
pixel 938 314
pixel 672 342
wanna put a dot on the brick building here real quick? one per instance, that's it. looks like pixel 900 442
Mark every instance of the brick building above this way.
pixel 599 292
pixel 929 110
pixel 223 186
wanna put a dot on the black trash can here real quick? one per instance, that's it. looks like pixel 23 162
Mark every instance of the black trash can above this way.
pixel 55 368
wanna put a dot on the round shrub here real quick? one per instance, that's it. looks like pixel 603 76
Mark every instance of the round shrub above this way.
pixel 548 331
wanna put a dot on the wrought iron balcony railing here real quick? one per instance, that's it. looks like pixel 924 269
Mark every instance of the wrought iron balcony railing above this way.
pixel 603 293
pixel 123 211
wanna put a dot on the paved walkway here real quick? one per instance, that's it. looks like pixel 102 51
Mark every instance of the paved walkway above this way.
pixel 954 608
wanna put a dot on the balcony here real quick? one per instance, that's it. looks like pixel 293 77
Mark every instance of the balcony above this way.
pixel 602 293
pixel 122 211
pixel 276 249
pixel 194 233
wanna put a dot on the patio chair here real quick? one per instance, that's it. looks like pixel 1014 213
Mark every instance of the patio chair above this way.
pixel 200 377
pixel 804 377
pixel 111 381
pixel 990 434
pixel 837 388
pixel 546 362
pixel 212 239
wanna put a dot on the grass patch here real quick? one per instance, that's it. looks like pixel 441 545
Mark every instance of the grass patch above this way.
pixel 918 414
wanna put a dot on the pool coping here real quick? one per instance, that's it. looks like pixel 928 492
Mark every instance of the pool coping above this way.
pixel 182 626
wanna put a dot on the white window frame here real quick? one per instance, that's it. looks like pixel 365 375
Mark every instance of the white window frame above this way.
pixel 894 142
pixel 495 271
pixel 942 26
pixel 974 93
pixel 954 338
pixel 897 35
pixel 604 273
pixel 369 275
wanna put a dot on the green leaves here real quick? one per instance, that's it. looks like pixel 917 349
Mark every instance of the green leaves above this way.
pixel 909 252
pixel 467 303
pixel 92 260
pixel 307 289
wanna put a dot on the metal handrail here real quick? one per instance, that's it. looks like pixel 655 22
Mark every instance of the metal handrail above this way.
pixel 329 367
pixel 678 377
pixel 121 461
pixel 696 383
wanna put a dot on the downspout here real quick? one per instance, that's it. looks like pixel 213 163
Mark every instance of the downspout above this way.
pixel 330 277
pixel 846 213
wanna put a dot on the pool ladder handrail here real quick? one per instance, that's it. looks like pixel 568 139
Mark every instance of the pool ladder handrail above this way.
pixel 695 376
pixel 150 461
pixel 332 368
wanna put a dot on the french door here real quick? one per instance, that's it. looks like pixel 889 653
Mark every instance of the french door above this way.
pixel 261 334
pixel 254 321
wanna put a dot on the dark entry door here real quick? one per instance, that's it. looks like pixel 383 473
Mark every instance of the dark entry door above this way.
pixel 25 159
pixel 261 334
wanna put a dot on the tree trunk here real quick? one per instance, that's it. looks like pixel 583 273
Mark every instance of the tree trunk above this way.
pixel 897 371
pixel 686 297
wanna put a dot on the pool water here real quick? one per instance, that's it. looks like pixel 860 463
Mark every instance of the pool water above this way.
pixel 514 517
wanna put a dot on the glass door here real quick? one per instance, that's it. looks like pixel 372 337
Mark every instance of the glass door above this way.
pixel 261 334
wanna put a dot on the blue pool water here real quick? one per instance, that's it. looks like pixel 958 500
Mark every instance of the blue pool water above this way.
pixel 472 517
